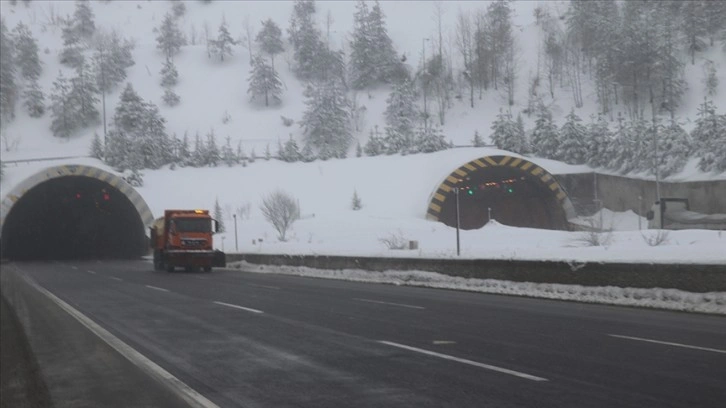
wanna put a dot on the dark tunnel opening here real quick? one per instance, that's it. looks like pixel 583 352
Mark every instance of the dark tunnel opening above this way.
pixel 73 217
pixel 515 197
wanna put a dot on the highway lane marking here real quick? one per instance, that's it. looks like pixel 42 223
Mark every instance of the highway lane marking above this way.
pixel 443 342
pixel 175 385
pixel 156 288
pixel 239 307
pixel 115 278
pixel 263 286
pixel 668 343
pixel 91 272
pixel 465 361
pixel 389 303
pixel 74 267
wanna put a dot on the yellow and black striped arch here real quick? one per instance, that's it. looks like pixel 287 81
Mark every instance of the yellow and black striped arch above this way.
pixel 456 177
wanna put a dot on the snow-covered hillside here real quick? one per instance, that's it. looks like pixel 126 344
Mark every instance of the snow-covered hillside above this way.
pixel 211 90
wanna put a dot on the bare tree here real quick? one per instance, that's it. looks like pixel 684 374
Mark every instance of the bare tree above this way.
pixel 281 210
pixel 465 45
pixel 249 33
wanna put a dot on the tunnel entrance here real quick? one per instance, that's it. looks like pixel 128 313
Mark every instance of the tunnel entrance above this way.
pixel 74 217
pixel 510 190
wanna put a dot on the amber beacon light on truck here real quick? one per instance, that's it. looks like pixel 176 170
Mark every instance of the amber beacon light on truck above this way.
pixel 183 238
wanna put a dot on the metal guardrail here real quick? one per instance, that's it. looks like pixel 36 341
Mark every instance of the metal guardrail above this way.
pixel 16 162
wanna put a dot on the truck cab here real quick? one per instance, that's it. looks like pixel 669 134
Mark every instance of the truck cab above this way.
pixel 183 238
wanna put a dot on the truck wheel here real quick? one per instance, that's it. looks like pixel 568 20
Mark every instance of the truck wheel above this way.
pixel 207 269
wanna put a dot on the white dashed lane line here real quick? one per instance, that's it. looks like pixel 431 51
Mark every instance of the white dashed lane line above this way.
pixel 239 307
pixel 156 288
pixel 91 272
pixel 389 303
pixel 263 286
pixel 668 343
pixel 465 361
pixel 115 278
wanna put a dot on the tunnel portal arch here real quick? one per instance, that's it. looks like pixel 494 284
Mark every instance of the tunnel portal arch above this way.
pixel 73 211
pixel 515 191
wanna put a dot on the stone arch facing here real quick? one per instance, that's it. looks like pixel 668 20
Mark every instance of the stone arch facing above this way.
pixel 73 212
pixel 536 183
pixel 76 170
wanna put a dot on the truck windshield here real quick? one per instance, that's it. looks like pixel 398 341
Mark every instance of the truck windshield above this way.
pixel 193 225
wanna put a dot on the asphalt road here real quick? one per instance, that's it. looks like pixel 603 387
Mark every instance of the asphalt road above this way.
pixel 264 340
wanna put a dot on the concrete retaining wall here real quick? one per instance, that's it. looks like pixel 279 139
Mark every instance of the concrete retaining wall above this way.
pixel 622 193
pixel 691 278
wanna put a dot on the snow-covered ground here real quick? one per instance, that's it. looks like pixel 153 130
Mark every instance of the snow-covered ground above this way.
pixel 657 298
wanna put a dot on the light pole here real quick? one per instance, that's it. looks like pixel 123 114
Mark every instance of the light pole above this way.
pixel 223 237
pixel 423 82
pixel 458 247
pixel 235 232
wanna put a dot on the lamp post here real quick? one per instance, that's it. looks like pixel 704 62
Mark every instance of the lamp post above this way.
pixel 458 247
pixel 235 232
pixel 423 81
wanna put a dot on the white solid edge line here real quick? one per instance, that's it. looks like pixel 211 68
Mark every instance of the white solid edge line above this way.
pixel 668 343
pixel 179 388
pixel 157 288
pixel 239 307
pixel 389 303
pixel 465 361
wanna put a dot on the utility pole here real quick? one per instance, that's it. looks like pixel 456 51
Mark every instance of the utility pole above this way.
pixel 423 82
pixel 103 93
pixel 235 232
pixel 458 246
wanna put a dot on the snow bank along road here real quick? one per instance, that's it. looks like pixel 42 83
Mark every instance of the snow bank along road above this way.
pixel 233 339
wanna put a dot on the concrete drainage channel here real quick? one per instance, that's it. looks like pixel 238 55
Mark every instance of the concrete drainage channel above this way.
pixel 697 278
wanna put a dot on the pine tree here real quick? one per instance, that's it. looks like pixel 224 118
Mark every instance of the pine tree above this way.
pixel 219 215
pixel 508 134
pixel 223 44
pixel 83 20
pixel 305 38
pixel 362 63
pixel 290 152
pixel 326 122
pixel 356 203
pixel 198 157
pixel 545 136
pixel 170 97
pixel 270 40
pixel 63 108
pixel 573 145
pixel 307 154
pixel 375 145
pixel 26 53
pixel 477 141
pixel 253 155
pixel 358 150
pixel 213 156
pixel 170 38
pixel 8 86
pixel 386 60
pixel 72 53
pixel 96 150
pixel 429 140
pixel 401 117
pixel 85 95
pixel 111 58
pixel 600 137
pixel 694 28
pixel 268 154
pixel 34 100
pixel 169 74
pixel 264 82
pixel 673 149
pixel 228 156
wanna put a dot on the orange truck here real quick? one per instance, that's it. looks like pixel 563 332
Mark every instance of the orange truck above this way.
pixel 183 238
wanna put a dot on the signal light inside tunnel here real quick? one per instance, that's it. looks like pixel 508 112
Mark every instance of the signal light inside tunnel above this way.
pixel 78 196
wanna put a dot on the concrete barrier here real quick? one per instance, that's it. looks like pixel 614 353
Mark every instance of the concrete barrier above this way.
pixel 687 277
